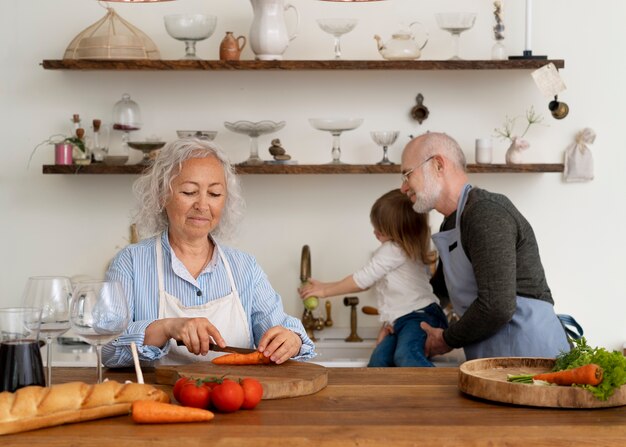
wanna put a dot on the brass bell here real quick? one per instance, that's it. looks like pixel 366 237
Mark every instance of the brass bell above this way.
pixel 558 109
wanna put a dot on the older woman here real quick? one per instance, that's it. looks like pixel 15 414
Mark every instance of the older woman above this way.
pixel 184 288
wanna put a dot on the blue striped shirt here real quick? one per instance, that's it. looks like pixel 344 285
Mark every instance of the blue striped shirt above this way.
pixel 136 268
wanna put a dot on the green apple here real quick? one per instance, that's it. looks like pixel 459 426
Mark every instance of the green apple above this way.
pixel 311 303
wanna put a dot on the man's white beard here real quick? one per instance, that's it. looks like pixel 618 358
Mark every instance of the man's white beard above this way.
pixel 426 199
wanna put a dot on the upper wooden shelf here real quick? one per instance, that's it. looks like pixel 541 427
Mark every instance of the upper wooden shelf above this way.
pixel 83 64
pixel 99 168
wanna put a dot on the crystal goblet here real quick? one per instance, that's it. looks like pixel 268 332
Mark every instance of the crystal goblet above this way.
pixel 336 126
pixel 98 314
pixel 455 23
pixel 385 138
pixel 190 28
pixel 337 27
pixel 52 295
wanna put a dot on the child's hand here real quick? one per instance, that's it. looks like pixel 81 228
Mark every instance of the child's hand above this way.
pixel 385 330
pixel 312 287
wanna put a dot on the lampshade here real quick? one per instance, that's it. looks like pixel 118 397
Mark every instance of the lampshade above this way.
pixel 138 1
pixel 351 1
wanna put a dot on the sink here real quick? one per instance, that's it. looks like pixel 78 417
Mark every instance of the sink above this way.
pixel 334 352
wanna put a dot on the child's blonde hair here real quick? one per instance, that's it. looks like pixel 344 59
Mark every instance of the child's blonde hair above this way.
pixel 393 216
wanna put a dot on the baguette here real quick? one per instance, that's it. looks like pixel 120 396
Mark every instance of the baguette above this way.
pixel 36 407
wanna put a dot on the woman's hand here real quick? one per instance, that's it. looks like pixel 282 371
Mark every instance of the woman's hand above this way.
pixel 280 344
pixel 194 333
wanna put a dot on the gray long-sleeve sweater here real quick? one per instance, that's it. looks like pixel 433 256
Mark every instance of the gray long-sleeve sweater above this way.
pixel 501 245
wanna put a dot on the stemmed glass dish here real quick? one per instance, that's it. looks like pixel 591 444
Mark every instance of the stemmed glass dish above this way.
pixel 455 23
pixel 336 126
pixel 385 138
pixel 337 27
pixel 190 28
pixel 254 130
pixel 147 147
pixel 52 295
pixel 98 314
pixel 208 135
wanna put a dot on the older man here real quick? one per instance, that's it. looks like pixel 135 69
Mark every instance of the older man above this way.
pixel 489 260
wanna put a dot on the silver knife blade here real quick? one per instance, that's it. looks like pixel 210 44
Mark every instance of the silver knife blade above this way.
pixel 230 349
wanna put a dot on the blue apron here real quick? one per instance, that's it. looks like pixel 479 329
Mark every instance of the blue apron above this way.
pixel 534 330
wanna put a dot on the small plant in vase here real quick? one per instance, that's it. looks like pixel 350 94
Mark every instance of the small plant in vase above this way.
pixel 518 144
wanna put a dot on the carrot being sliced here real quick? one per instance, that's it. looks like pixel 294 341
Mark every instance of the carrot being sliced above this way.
pixel 151 412
pixel 590 374
pixel 253 358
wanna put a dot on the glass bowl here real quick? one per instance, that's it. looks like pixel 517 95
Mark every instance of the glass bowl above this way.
pixel 337 26
pixel 254 129
pixel 190 26
pixel 200 134
pixel 335 124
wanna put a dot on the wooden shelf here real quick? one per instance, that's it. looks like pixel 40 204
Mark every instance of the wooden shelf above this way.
pixel 309 169
pixel 213 65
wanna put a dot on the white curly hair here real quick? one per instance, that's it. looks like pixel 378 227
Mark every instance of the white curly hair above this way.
pixel 153 189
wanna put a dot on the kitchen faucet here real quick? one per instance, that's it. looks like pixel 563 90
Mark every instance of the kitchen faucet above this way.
pixel 309 321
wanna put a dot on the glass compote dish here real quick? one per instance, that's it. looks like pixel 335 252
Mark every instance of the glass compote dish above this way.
pixel 98 314
pixel 385 138
pixel 52 295
pixel 337 27
pixel 254 130
pixel 147 147
pixel 455 23
pixel 336 126
pixel 190 28
pixel 126 119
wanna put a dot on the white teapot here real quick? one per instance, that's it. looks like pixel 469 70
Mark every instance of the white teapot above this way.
pixel 402 45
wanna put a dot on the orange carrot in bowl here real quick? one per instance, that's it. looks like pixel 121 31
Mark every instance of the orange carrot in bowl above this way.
pixel 253 358
pixel 590 374
pixel 151 412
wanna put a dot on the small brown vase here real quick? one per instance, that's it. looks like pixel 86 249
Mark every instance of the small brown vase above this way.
pixel 231 47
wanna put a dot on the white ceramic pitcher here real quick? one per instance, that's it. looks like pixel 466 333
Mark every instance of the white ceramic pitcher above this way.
pixel 269 37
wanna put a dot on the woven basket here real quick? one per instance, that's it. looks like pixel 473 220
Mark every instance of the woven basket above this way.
pixel 112 37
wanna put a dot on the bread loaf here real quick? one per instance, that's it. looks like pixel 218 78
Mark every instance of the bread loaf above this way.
pixel 35 407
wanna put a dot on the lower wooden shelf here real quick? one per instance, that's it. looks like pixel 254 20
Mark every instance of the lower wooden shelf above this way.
pixel 98 168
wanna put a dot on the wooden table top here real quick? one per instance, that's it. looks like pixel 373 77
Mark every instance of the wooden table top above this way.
pixel 359 407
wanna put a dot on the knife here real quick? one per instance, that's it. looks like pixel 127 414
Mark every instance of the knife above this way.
pixel 230 349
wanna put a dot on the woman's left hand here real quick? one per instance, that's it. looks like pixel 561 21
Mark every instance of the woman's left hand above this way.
pixel 280 344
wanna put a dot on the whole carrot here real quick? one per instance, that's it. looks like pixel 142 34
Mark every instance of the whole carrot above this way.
pixel 151 412
pixel 253 358
pixel 590 374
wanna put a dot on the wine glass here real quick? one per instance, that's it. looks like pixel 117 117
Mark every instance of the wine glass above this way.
pixel 52 295
pixel 254 130
pixel 455 23
pixel 337 27
pixel 190 28
pixel 98 314
pixel 336 127
pixel 385 138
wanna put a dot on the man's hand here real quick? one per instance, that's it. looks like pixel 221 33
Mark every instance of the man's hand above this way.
pixel 435 344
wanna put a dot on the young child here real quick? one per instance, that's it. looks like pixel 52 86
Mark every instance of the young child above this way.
pixel 399 271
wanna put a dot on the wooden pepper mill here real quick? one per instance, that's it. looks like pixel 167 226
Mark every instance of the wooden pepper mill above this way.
pixel 231 47
pixel 352 301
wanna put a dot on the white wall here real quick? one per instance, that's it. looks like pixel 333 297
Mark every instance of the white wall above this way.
pixel 73 225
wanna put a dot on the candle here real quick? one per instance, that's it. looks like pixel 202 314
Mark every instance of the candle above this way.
pixel 529 13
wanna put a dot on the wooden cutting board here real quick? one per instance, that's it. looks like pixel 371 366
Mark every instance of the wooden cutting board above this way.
pixel 289 379
pixel 486 378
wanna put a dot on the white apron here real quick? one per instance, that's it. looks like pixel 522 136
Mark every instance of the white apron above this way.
pixel 225 313
pixel 534 330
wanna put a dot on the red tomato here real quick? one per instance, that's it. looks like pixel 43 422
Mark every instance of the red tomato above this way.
pixel 227 397
pixel 252 393
pixel 194 395
pixel 178 386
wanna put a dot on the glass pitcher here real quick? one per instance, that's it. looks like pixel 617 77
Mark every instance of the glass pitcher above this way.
pixel 20 349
